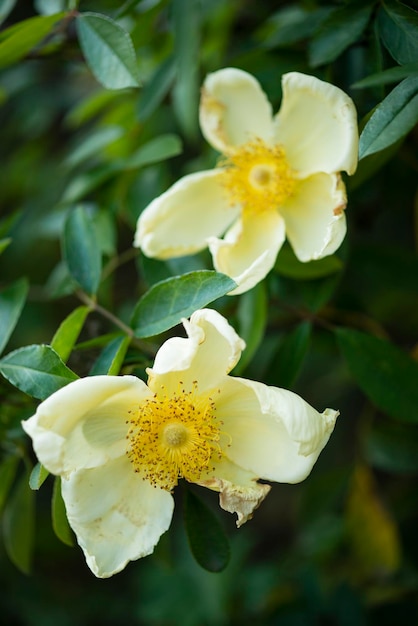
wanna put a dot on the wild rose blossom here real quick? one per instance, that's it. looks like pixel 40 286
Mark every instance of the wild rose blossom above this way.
pixel 120 445
pixel 279 177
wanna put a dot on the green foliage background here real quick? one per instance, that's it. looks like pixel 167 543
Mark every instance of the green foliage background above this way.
pixel 98 106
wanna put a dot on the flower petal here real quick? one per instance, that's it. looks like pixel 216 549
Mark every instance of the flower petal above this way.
pixel 84 424
pixel 239 491
pixel 117 516
pixel 317 124
pixel 249 249
pixel 180 221
pixel 274 433
pixel 314 216
pixel 234 109
pixel 211 350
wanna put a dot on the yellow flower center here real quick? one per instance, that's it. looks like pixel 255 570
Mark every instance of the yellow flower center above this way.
pixel 257 176
pixel 172 437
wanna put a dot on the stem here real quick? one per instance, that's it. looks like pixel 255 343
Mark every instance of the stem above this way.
pixel 94 306
pixel 116 262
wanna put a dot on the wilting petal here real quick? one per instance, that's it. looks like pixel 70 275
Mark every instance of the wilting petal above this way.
pixel 239 491
pixel 117 516
pixel 249 249
pixel 314 216
pixel 274 433
pixel 180 221
pixel 234 109
pixel 317 125
pixel 211 350
pixel 84 424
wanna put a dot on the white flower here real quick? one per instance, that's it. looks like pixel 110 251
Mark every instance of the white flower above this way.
pixel 279 177
pixel 121 446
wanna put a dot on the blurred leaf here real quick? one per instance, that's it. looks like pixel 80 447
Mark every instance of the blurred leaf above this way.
pixel 395 116
pixel 93 144
pixel 373 534
pixel 158 149
pixel 18 40
pixel 4 243
pixel 67 334
pixel 291 24
pixel 81 185
pixel 393 448
pixel 108 50
pixel 369 165
pixel 49 7
pixel 38 476
pixel 207 539
pixel 289 358
pixel 252 319
pixel 386 374
pixel 97 342
pixel 81 250
pixel 287 264
pixel 398 27
pixel 337 32
pixel 155 90
pixel 393 75
pixel 6 7
pixel 19 524
pixel 167 302
pixel 12 300
pixel 8 468
pixel 36 370
pixel 186 24
pixel 59 516
pixel 111 359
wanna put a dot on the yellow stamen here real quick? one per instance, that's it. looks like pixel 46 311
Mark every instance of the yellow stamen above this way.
pixel 174 437
pixel 257 176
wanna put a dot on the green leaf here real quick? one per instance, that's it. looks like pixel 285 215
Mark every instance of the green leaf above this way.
pixel 291 24
pixel 18 40
pixel 36 370
pixel 393 75
pixel 111 359
pixel 86 182
pixel 156 89
pixel 287 264
pixel 395 116
pixel 339 30
pixel 186 26
pixel 252 318
pixel 8 469
pixel 12 300
pixel 38 476
pixel 393 448
pixel 6 7
pixel 386 374
pixel 289 358
pixel 19 524
pixel 207 539
pixel 398 27
pixel 369 165
pixel 67 334
pixel 93 144
pixel 81 250
pixel 4 243
pixel 59 516
pixel 49 7
pixel 158 149
pixel 108 50
pixel 167 302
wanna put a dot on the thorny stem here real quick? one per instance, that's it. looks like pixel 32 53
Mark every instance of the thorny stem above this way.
pixel 94 306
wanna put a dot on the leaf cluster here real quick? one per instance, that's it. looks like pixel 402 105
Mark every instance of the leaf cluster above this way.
pixel 98 104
